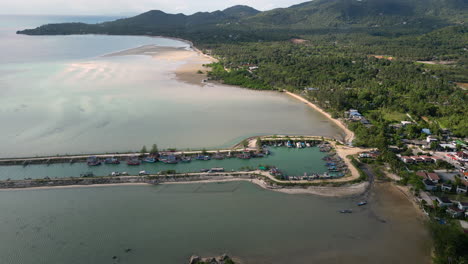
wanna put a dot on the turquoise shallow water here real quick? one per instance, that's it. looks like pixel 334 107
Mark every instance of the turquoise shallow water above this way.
pixel 291 161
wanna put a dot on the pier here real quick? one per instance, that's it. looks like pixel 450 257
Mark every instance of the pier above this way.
pixel 339 167
pixel 237 149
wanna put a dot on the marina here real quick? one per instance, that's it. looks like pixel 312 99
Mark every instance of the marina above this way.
pixel 291 161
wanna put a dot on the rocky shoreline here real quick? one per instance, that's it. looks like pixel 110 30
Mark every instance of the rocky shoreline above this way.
pixel 113 180
pixel 223 259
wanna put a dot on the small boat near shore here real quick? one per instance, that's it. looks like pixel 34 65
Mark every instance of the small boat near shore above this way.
pixel 186 159
pixel 346 211
pixel 112 160
pixel 149 160
pixel 203 157
pixel 93 161
pixel 133 161
pixel 170 159
pixel 361 203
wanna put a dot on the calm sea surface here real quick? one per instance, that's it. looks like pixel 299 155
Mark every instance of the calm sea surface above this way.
pixel 168 223
pixel 59 95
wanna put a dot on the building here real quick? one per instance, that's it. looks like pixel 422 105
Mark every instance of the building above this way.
pixel 446 187
pixel 421 174
pixel 462 206
pixel 443 201
pixel 429 185
pixel 454 212
pixel 461 189
pixel 407 159
pixel 433 177
pixel 427 159
pixel 371 154
pixel 431 138
pixel 353 115
pixel 462 156
pixel 404 123
pixel 426 131
pixel 447 147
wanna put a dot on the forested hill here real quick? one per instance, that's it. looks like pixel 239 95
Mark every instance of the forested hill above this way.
pixel 243 23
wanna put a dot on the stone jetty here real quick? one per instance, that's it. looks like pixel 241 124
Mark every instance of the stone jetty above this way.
pixel 223 259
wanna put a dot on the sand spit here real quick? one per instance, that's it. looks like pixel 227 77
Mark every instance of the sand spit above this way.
pixel 349 135
pixel 190 61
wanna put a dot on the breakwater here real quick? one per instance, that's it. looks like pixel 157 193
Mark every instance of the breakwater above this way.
pixel 148 179
pixel 249 145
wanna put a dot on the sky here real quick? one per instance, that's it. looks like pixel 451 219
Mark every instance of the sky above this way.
pixel 129 7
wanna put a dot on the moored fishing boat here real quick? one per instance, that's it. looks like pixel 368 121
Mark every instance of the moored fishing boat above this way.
pixel 133 161
pixel 276 172
pixel 203 157
pixel 169 159
pixel 186 159
pixel 112 160
pixel 361 203
pixel 93 161
pixel 218 156
pixel 149 160
pixel 346 211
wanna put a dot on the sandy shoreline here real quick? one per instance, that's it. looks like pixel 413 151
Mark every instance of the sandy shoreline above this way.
pixel 192 60
pixel 349 135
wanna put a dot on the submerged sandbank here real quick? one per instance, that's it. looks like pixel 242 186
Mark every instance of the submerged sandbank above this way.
pixel 190 60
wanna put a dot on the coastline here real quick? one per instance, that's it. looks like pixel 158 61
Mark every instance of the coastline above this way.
pixel 349 135
pixel 75 186
pixel 325 191
pixel 191 60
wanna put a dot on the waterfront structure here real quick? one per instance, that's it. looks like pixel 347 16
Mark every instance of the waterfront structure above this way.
pixel 443 201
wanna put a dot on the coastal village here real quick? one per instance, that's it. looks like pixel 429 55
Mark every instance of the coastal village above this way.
pixel 435 165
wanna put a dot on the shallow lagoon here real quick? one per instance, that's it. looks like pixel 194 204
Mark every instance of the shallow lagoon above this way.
pixel 59 95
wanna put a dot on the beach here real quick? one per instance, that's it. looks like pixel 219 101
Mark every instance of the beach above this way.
pixel 190 60
pixel 349 135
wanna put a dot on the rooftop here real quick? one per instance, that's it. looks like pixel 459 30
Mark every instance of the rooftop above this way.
pixel 444 199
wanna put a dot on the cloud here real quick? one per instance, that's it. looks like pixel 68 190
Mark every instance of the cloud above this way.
pixel 109 7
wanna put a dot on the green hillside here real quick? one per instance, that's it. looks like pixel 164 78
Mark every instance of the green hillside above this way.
pixel 243 23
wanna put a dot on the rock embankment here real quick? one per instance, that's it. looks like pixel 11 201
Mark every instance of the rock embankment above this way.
pixel 72 181
pixel 223 259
